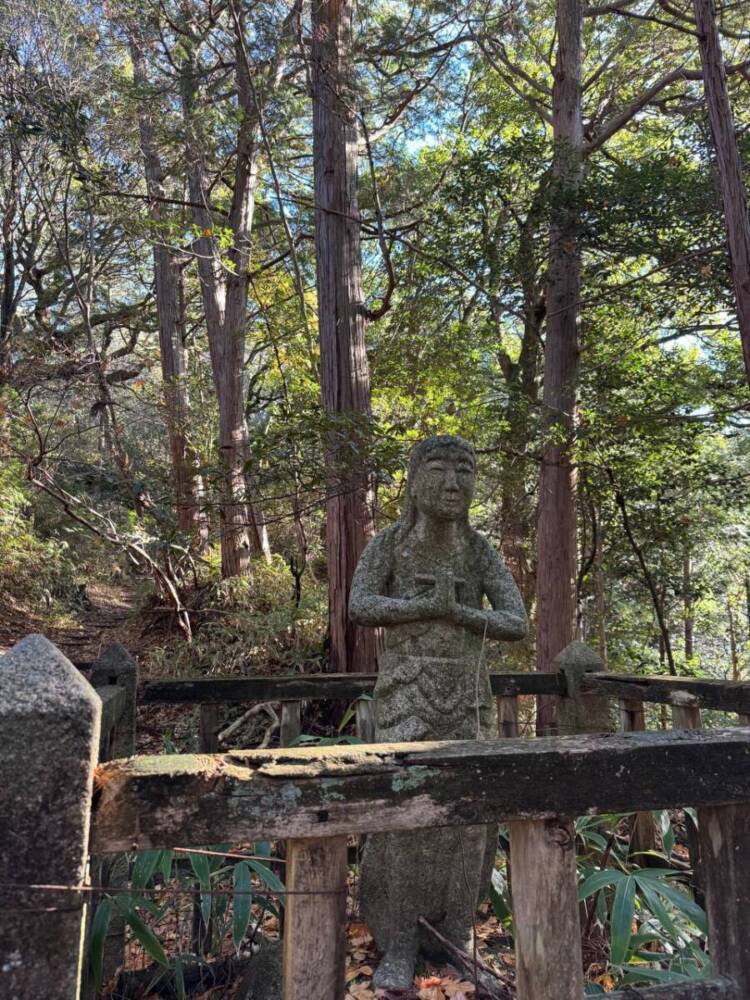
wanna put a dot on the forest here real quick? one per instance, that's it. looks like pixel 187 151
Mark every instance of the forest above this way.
pixel 253 252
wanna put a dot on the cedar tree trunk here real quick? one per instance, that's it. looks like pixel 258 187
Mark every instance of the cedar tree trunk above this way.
pixel 224 292
pixel 169 310
pixel 344 376
pixel 729 164
pixel 556 530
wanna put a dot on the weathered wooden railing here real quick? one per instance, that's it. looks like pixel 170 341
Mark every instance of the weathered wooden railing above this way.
pixel 318 796
pixel 314 798
pixel 578 680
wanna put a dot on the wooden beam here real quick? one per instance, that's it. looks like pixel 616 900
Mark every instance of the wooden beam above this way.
pixel 700 989
pixel 545 910
pixel 315 920
pixel 725 696
pixel 298 687
pixel 317 687
pixel 162 801
pixel 724 833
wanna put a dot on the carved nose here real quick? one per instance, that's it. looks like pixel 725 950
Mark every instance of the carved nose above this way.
pixel 451 483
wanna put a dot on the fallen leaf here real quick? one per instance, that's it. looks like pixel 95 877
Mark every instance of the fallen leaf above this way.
pixel 458 990
pixel 431 993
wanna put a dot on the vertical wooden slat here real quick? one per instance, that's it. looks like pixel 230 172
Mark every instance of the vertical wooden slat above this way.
pixel 507 717
pixel 686 717
pixel 689 717
pixel 725 847
pixel 632 716
pixel 291 722
pixel 365 709
pixel 545 910
pixel 209 724
pixel 314 928
pixel 208 728
pixel 643 830
pixel 744 720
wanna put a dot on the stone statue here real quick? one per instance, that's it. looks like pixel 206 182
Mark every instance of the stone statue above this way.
pixel 425 579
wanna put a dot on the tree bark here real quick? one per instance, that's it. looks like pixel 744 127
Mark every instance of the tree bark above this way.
pixel 733 641
pixel 687 604
pixel 729 164
pixel 600 585
pixel 170 313
pixel 224 298
pixel 556 530
pixel 344 376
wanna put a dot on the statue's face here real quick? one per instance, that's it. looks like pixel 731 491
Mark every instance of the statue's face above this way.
pixel 445 484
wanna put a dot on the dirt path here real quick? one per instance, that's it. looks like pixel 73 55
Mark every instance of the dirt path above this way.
pixel 106 615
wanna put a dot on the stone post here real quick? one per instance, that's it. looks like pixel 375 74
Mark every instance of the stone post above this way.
pixel 115 665
pixel 581 712
pixel 49 719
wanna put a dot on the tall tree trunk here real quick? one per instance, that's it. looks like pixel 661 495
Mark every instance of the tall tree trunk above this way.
pixel 345 377
pixel 687 604
pixel 169 310
pixel 729 163
pixel 516 502
pixel 224 305
pixel 556 529
pixel 600 590
pixel 10 297
pixel 733 641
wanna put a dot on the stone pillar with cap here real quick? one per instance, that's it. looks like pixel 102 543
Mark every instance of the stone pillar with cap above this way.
pixel 49 720
pixel 582 712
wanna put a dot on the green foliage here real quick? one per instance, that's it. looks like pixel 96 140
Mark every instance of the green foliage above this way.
pixel 250 623
pixel 35 572
pixel 656 931
pixel 232 898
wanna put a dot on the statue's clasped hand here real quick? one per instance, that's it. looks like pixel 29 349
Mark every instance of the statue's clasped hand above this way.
pixel 442 602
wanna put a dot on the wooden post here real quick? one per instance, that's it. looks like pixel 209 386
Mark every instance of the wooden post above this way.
pixel 365 709
pixel 744 720
pixel 208 728
pixel 314 929
pixel 632 716
pixel 725 842
pixel 545 910
pixel 643 830
pixel 686 717
pixel 507 717
pixel 209 724
pixel 689 717
pixel 291 722
pixel 49 718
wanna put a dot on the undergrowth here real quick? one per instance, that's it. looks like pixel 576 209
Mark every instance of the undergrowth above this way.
pixel 249 624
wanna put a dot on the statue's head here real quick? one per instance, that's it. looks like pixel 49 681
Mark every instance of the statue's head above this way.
pixel 440 482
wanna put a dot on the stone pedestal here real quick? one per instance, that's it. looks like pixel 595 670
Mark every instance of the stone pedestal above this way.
pixel 49 720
